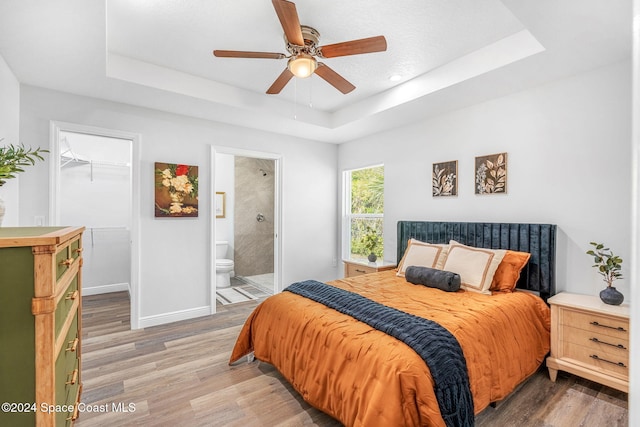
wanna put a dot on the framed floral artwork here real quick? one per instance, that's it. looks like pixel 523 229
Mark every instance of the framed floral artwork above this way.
pixel 444 179
pixel 491 174
pixel 176 190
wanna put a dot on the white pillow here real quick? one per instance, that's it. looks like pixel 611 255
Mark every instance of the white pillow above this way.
pixel 476 266
pixel 421 254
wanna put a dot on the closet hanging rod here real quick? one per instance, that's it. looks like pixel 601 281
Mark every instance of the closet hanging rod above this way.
pixel 64 161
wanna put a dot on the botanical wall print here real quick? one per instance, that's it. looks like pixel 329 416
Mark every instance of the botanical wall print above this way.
pixel 445 179
pixel 491 174
pixel 176 190
pixel 220 201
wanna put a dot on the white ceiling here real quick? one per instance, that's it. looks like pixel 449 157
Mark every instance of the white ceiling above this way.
pixel 449 54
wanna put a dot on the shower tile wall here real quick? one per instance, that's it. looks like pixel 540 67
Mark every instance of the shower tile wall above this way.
pixel 254 194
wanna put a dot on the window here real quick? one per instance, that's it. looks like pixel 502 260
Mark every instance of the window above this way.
pixel 364 212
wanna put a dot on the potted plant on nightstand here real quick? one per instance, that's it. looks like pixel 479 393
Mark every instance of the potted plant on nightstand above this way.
pixel 609 266
pixel 12 160
pixel 370 242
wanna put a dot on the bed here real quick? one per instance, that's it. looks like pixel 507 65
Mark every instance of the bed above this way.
pixel 363 376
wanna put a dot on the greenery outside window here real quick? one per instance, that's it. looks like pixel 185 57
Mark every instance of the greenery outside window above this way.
pixel 364 212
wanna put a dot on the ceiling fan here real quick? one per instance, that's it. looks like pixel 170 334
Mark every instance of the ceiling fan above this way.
pixel 302 45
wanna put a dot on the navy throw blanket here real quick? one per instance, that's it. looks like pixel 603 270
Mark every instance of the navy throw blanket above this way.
pixel 438 348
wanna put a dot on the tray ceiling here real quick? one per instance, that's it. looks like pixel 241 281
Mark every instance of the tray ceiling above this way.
pixel 446 55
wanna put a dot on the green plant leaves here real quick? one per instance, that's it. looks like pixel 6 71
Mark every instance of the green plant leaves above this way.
pixel 607 264
pixel 13 158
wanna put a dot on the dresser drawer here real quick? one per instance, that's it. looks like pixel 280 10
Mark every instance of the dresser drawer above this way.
pixel 67 256
pixel 67 376
pixel 595 323
pixel 70 297
pixel 67 387
pixel 70 346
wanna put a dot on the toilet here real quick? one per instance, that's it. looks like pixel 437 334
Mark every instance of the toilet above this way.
pixel 224 266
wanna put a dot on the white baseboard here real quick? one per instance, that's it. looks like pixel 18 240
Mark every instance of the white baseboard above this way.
pixel 105 289
pixel 161 319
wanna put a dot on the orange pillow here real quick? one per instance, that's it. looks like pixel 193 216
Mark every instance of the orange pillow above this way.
pixel 508 271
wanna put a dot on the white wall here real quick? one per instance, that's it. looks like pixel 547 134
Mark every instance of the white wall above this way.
pixel 568 163
pixel 225 182
pixel 175 252
pixel 634 369
pixel 9 128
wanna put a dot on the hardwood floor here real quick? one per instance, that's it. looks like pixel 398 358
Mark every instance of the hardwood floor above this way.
pixel 178 374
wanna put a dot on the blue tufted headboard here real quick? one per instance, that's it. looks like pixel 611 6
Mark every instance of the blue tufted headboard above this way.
pixel 537 239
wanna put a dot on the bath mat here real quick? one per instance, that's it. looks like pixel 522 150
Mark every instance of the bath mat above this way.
pixel 233 295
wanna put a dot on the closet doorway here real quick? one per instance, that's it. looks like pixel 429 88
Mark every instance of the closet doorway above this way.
pixel 92 186
pixel 248 183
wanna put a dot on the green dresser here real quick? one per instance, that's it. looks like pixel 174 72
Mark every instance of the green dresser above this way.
pixel 40 325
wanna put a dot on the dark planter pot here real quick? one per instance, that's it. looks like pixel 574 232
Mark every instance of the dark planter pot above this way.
pixel 372 257
pixel 610 295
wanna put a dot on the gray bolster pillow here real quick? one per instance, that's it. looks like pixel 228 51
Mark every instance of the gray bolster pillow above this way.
pixel 433 278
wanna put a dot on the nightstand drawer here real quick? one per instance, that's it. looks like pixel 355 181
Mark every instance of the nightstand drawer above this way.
pixel 592 322
pixel 358 269
pixel 615 346
pixel 613 364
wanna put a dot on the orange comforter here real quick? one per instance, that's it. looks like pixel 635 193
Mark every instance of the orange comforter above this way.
pixel 364 377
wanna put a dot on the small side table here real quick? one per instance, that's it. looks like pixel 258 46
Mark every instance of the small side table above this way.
pixel 590 338
pixel 356 268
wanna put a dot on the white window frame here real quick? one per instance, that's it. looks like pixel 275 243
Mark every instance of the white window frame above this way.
pixel 347 215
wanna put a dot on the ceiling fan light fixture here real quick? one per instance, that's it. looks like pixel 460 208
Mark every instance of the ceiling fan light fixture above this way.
pixel 302 65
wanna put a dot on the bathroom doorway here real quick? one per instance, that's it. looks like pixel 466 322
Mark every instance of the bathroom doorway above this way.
pixel 247 183
pixel 254 207
pixel 92 185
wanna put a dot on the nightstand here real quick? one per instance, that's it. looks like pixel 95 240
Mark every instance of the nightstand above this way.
pixel 590 339
pixel 356 268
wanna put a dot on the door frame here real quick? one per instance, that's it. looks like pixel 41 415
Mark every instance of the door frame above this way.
pixel 277 223
pixel 55 127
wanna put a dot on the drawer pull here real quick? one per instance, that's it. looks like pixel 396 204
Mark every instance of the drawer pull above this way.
pixel 617 328
pixel 67 262
pixel 72 295
pixel 79 250
pixel 595 356
pixel 74 345
pixel 360 271
pixel 74 416
pixel 594 339
pixel 74 378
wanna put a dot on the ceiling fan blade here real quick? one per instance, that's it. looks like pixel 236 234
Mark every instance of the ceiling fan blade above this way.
pixel 241 54
pixel 354 47
pixel 334 79
pixel 288 16
pixel 280 82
